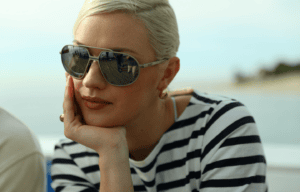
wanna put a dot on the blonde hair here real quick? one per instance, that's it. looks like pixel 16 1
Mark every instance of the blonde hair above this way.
pixel 157 15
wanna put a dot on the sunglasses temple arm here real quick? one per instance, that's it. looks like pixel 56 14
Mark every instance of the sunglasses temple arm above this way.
pixel 152 64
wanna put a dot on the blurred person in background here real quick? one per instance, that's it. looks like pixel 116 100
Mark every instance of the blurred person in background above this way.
pixel 22 163
pixel 129 135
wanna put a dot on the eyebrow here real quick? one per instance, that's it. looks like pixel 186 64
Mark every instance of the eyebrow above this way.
pixel 117 49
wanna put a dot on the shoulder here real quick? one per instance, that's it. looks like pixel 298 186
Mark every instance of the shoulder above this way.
pixel 229 139
pixel 209 99
pixel 221 121
pixel 209 115
pixel 208 104
pixel 13 129
pixel 216 116
pixel 17 141
pixel 218 107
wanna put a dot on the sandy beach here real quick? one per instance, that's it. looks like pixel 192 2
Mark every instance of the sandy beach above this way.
pixel 284 85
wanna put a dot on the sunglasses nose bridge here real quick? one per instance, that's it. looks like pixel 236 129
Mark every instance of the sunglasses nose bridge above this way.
pixel 94 58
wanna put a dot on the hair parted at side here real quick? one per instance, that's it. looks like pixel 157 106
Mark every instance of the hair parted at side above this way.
pixel 157 15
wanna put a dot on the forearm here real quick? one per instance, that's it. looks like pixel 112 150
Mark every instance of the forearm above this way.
pixel 115 173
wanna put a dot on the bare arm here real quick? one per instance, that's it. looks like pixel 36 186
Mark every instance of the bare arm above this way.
pixel 115 173
pixel 109 143
pixel 187 91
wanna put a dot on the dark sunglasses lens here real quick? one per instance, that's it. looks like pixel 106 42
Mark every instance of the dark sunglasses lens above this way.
pixel 75 60
pixel 119 69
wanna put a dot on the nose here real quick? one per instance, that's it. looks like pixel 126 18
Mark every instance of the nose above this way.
pixel 94 77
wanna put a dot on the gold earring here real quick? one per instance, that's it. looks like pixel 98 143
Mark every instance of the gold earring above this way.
pixel 61 117
pixel 163 95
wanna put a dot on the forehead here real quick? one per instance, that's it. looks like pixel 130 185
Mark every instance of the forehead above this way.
pixel 117 49
pixel 111 30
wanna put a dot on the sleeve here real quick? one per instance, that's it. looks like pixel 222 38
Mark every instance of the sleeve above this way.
pixel 29 173
pixel 66 175
pixel 232 158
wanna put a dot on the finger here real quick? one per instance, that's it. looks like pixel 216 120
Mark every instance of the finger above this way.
pixel 78 111
pixel 67 75
pixel 182 92
pixel 68 102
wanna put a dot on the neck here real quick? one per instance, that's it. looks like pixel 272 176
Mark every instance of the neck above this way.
pixel 145 132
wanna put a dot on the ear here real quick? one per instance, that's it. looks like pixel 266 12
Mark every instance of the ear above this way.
pixel 168 73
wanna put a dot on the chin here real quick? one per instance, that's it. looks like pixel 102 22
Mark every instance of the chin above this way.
pixel 102 122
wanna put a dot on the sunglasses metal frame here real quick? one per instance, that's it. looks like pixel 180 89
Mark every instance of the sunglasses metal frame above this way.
pixel 110 50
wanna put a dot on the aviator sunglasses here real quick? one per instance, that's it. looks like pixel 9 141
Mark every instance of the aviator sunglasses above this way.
pixel 118 69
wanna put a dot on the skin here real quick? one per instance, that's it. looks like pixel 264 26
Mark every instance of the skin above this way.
pixel 137 117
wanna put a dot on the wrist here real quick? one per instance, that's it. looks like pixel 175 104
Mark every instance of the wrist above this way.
pixel 115 171
pixel 114 155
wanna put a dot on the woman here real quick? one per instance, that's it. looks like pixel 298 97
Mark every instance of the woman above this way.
pixel 127 135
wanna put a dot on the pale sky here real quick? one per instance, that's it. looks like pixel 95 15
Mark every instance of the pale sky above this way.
pixel 218 37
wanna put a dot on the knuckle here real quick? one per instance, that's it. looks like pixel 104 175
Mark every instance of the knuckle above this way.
pixel 67 134
pixel 71 128
pixel 68 131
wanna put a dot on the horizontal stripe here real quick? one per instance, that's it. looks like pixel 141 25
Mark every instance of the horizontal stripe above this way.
pixel 189 121
pixel 205 99
pixel 59 189
pixel 97 186
pixel 232 182
pixel 178 163
pixel 90 169
pixel 71 143
pixel 167 147
pixel 88 188
pixel 63 161
pixel 179 183
pixel 173 165
pixel 139 188
pixel 235 162
pixel 68 177
pixel 84 154
pixel 241 140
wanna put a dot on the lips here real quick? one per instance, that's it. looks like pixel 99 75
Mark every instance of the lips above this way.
pixel 95 103
pixel 96 100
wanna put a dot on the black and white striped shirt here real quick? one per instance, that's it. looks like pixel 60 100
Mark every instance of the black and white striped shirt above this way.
pixel 214 146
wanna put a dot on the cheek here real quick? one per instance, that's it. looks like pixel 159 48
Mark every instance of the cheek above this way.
pixel 129 93
pixel 77 85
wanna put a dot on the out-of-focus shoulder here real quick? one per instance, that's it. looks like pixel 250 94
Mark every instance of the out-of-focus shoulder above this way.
pixel 12 128
pixel 17 141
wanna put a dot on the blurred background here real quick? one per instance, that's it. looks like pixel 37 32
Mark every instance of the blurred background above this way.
pixel 247 50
